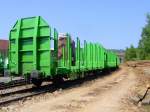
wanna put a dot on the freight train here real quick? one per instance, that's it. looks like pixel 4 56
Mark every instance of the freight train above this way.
pixel 30 54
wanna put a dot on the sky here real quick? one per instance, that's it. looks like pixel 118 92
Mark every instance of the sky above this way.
pixel 116 24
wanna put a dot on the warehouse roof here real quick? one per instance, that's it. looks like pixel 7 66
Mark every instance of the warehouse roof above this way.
pixel 4 44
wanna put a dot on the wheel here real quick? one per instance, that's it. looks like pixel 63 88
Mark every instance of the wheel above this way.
pixel 36 79
pixel 37 82
pixel 35 74
pixel 57 81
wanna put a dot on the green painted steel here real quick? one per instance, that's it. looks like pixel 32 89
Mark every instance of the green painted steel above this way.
pixel 85 55
pixel 55 56
pixel 112 60
pixel 68 51
pixel 30 46
pixel 78 55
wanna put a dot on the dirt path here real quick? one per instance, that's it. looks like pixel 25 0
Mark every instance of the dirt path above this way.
pixel 106 94
pixel 111 100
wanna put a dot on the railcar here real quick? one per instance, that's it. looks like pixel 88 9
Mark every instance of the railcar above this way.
pixel 30 54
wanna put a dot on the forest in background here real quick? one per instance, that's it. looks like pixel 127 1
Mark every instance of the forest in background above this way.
pixel 142 52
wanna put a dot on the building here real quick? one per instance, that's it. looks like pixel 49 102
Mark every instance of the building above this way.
pixel 4 48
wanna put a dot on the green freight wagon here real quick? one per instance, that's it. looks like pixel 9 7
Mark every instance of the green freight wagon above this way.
pixel 29 50
pixel 30 53
pixel 111 60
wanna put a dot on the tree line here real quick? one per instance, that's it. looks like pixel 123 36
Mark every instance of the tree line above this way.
pixel 142 52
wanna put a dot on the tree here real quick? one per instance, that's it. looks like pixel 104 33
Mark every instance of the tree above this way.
pixel 144 43
pixel 130 53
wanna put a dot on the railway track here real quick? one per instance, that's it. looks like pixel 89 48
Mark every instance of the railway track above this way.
pixel 12 95
pixel 8 97
pixel 11 84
